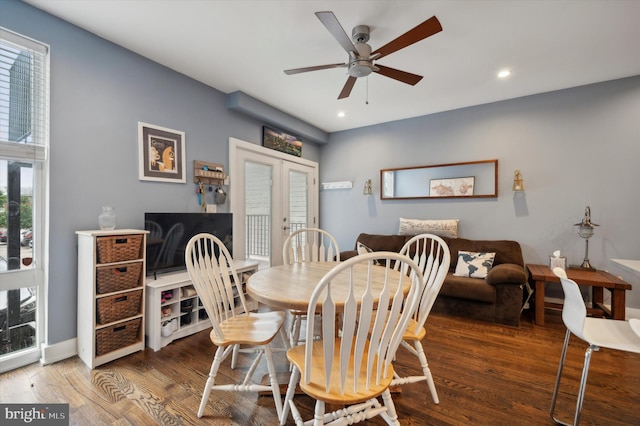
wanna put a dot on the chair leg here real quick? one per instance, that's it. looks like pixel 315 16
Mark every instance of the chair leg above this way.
pixel 234 356
pixel 426 371
pixel 558 377
pixel 391 417
pixel 288 398
pixel 318 417
pixel 275 386
pixel 217 360
pixel 583 381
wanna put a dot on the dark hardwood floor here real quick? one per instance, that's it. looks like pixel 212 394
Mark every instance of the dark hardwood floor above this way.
pixel 486 374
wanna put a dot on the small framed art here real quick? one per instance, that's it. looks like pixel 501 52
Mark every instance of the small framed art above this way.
pixel 281 141
pixel 161 153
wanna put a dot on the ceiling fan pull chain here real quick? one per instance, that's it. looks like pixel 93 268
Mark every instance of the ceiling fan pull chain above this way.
pixel 366 101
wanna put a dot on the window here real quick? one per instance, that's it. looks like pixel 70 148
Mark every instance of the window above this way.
pixel 23 161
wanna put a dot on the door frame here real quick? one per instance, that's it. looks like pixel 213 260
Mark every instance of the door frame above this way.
pixel 236 202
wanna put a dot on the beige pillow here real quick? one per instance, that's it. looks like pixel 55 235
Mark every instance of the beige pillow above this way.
pixel 439 227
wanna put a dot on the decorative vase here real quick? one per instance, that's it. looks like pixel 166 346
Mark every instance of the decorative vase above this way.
pixel 107 219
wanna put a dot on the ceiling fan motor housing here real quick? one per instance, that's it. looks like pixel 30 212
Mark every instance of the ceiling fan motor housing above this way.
pixel 360 65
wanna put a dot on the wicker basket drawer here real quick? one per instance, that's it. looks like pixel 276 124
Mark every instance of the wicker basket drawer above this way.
pixel 118 307
pixel 118 278
pixel 117 336
pixel 118 248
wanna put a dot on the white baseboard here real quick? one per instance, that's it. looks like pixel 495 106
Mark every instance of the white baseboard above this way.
pixel 59 351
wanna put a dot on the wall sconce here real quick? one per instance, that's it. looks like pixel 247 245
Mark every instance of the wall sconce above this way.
pixel 367 187
pixel 518 182
pixel 585 231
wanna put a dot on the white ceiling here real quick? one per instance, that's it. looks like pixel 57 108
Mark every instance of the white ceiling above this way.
pixel 244 45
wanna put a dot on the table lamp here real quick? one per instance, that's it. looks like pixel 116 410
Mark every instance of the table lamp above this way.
pixel 585 230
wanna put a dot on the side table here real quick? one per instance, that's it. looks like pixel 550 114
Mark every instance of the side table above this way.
pixel 597 280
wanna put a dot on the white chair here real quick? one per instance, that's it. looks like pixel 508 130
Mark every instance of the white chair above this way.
pixel 307 245
pixel 351 364
pixel 597 332
pixel 216 281
pixel 432 255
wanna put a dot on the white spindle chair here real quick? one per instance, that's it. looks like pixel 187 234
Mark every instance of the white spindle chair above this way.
pixel 307 245
pixel 219 288
pixel 432 255
pixel 351 364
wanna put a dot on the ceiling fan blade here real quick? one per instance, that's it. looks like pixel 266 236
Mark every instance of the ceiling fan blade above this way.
pixel 428 28
pixel 346 90
pixel 316 68
pixel 403 76
pixel 330 21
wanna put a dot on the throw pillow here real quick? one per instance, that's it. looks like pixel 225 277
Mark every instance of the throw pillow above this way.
pixel 474 265
pixel 362 249
pixel 439 227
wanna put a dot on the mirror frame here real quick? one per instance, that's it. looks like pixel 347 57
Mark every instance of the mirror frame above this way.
pixel 489 163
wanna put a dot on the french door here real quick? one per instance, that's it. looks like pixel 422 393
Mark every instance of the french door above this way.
pixel 272 194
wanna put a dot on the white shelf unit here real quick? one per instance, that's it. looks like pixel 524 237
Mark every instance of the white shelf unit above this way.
pixel 183 307
pixel 101 324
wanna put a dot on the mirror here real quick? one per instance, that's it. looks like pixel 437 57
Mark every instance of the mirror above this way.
pixel 473 179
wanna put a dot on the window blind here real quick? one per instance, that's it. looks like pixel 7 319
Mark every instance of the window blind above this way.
pixel 23 96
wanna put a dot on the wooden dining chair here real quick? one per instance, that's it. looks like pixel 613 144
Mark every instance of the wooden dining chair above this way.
pixel 307 245
pixel 597 332
pixel 216 281
pixel 351 364
pixel 432 255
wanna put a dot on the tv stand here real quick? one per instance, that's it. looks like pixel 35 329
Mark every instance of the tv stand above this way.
pixel 182 298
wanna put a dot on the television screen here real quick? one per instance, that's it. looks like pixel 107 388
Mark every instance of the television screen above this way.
pixel 169 234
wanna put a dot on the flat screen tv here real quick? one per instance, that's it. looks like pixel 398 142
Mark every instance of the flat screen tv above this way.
pixel 169 234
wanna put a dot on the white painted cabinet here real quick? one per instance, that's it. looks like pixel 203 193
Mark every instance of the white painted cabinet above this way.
pixel 173 309
pixel 111 294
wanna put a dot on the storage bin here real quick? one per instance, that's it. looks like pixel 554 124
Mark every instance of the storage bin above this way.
pixel 118 278
pixel 117 336
pixel 118 248
pixel 118 307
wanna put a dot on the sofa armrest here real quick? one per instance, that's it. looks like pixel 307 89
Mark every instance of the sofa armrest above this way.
pixel 507 273
pixel 344 255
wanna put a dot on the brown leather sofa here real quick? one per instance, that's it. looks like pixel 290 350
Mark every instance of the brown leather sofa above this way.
pixel 496 298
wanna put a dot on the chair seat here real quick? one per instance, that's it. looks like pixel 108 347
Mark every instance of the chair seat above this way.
pixel 254 328
pixel 611 334
pixel 316 388
pixel 414 331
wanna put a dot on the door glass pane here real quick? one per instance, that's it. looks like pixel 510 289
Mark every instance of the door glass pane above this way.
pixel 17 305
pixel 298 204
pixel 258 204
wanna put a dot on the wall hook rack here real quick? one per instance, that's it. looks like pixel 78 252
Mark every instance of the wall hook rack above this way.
pixel 208 173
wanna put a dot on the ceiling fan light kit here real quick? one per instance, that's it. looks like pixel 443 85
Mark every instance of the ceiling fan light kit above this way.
pixel 361 58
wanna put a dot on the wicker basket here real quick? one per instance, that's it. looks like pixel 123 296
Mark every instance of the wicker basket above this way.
pixel 117 336
pixel 118 278
pixel 118 248
pixel 118 307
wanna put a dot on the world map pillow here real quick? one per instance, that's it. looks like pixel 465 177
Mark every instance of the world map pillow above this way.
pixel 439 227
pixel 362 249
pixel 474 265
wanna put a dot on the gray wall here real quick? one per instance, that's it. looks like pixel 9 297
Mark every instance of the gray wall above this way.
pixel 575 147
pixel 99 92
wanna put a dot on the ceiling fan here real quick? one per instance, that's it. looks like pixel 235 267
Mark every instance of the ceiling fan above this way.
pixel 361 58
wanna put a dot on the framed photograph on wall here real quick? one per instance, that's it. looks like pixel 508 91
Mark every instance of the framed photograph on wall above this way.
pixel 451 187
pixel 281 141
pixel 161 154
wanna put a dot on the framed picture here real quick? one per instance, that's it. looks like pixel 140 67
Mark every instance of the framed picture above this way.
pixel 451 187
pixel 161 154
pixel 281 141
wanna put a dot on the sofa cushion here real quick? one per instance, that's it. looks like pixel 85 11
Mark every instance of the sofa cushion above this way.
pixel 468 288
pixel 473 265
pixel 382 242
pixel 439 227
pixel 506 251
pixel 507 273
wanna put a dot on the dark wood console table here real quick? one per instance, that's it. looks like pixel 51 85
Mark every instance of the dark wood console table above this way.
pixel 597 280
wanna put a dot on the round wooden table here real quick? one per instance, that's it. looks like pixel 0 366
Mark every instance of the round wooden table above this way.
pixel 291 286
